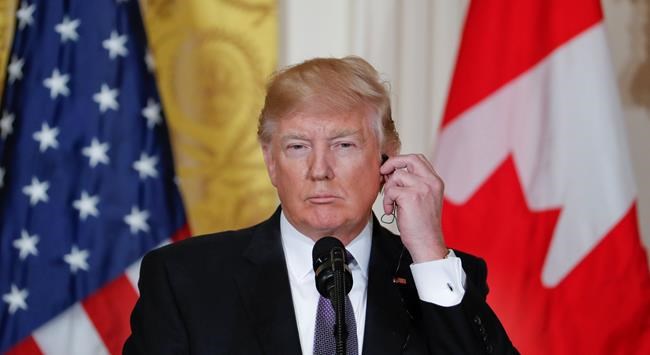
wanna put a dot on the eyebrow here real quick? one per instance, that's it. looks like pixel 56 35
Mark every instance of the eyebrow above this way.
pixel 290 136
pixel 345 133
pixel 337 134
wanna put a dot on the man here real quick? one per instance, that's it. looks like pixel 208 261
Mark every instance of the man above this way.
pixel 324 127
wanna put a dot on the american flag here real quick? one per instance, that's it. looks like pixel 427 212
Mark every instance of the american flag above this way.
pixel 87 183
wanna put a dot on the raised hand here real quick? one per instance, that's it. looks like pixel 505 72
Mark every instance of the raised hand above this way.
pixel 413 188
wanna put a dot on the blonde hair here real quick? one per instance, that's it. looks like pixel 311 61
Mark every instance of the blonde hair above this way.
pixel 327 86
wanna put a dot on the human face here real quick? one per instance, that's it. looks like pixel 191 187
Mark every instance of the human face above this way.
pixel 325 168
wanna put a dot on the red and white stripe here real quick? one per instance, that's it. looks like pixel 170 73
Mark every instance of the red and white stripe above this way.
pixel 98 325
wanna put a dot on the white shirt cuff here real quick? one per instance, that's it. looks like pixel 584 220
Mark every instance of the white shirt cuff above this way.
pixel 440 282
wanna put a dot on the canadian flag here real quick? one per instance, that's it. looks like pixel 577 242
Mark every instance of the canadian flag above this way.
pixel 538 178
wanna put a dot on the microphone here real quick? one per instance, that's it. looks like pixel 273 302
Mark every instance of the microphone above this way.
pixel 333 281
pixel 328 258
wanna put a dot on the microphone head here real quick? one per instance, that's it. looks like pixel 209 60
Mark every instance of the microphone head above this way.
pixel 328 258
pixel 321 252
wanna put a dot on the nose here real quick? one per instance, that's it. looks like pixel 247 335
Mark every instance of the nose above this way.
pixel 320 167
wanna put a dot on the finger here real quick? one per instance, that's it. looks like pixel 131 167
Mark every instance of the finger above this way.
pixel 402 178
pixel 435 180
pixel 426 161
pixel 410 162
pixel 388 205
pixel 426 188
pixel 391 198
pixel 431 168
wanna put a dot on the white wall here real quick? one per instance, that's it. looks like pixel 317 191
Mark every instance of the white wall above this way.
pixel 414 43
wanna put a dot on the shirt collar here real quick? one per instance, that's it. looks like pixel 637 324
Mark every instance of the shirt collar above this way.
pixel 298 249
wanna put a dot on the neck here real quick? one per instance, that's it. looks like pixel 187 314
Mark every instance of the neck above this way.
pixel 345 234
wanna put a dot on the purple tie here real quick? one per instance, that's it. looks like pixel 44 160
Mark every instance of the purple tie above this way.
pixel 324 343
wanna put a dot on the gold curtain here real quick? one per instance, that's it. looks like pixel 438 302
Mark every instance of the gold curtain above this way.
pixel 7 18
pixel 212 59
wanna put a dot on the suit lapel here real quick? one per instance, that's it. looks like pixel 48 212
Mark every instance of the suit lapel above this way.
pixel 387 322
pixel 264 285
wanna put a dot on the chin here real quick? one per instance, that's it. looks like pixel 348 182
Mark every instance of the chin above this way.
pixel 326 219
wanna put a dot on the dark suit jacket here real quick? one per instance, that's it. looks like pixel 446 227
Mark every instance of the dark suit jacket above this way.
pixel 229 293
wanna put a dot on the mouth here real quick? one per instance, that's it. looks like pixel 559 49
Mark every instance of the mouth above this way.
pixel 322 199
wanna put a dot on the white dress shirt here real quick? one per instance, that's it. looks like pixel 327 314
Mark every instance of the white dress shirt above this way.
pixel 439 281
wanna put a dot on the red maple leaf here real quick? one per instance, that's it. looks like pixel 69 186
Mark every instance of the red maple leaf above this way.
pixel 601 307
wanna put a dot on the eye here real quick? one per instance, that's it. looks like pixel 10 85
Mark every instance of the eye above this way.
pixel 296 147
pixel 345 145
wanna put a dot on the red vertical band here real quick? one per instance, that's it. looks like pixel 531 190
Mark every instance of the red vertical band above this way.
pixel 109 309
pixel 26 347
pixel 181 234
pixel 503 39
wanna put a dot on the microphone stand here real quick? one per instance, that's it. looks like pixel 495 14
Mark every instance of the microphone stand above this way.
pixel 333 281
pixel 337 297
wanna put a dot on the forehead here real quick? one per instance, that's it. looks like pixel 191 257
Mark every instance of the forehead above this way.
pixel 328 124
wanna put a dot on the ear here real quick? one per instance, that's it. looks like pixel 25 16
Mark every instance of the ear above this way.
pixel 384 157
pixel 382 178
pixel 269 161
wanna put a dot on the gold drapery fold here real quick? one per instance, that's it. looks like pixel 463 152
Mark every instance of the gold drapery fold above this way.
pixel 212 60
pixel 7 20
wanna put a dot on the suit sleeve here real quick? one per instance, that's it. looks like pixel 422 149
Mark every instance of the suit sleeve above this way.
pixel 156 324
pixel 470 327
